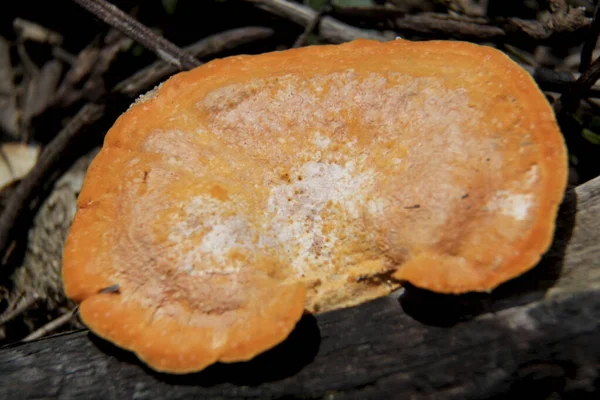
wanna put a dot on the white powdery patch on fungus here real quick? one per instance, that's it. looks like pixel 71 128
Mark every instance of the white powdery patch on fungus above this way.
pixel 296 209
pixel 513 205
pixel 220 235
pixel 295 222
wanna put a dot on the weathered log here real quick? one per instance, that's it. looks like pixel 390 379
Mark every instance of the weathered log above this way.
pixel 538 333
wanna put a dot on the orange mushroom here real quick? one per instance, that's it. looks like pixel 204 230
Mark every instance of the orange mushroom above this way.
pixel 240 194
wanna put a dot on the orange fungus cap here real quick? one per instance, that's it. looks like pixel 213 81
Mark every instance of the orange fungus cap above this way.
pixel 240 194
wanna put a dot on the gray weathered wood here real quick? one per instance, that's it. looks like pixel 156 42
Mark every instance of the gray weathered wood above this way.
pixel 539 333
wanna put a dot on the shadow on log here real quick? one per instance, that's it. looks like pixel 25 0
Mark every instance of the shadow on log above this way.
pixel 284 360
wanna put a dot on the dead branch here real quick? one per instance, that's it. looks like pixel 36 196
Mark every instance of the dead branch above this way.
pixel 445 25
pixel 311 27
pixel 153 74
pixel 27 30
pixel 329 28
pixel 81 68
pixel 92 63
pixel 50 326
pixel 509 30
pixel 567 25
pixel 163 48
pixel 18 307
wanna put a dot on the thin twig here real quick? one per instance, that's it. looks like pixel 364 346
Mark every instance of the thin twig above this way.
pixel 154 73
pixel 163 48
pixel 21 198
pixel 329 28
pixel 590 43
pixel 50 326
pixel 19 308
pixel 308 30
pixel 63 55
pixel 28 30
pixel 92 63
pixel 312 26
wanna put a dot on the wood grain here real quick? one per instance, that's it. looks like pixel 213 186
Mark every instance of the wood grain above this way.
pixel 539 333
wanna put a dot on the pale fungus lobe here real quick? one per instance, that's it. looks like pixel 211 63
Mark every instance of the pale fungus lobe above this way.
pixel 250 190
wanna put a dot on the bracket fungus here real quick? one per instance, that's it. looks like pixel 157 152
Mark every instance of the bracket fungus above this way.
pixel 239 195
